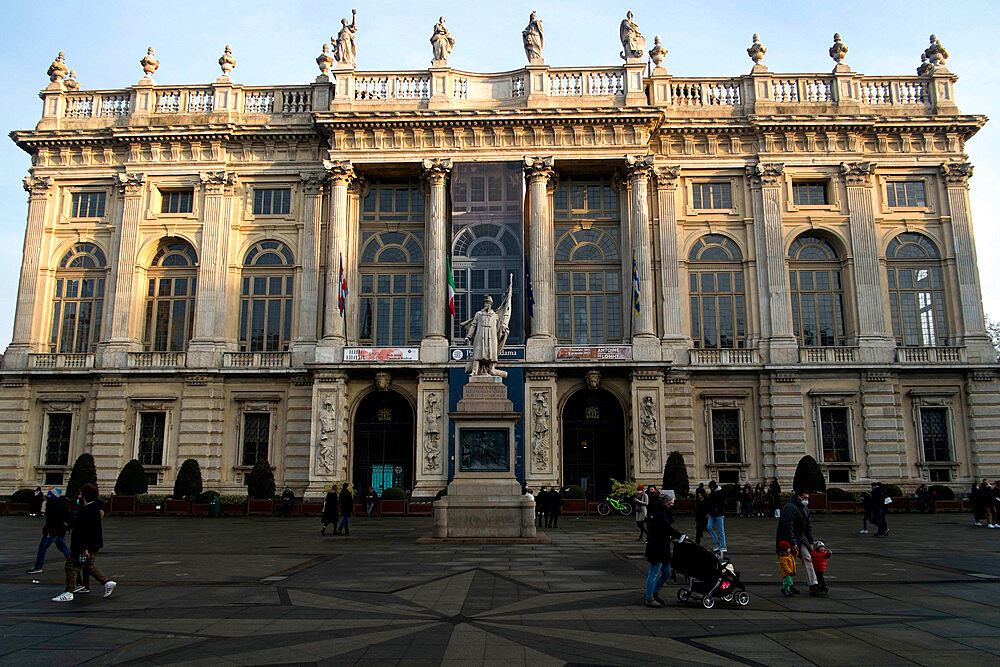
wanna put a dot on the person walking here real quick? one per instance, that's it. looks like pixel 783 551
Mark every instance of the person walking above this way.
pixel 371 500
pixel 58 520
pixel 866 511
pixel 641 501
pixel 331 513
pixel 35 504
pixel 346 509
pixel 746 500
pixel 700 512
pixel 556 501
pixel 879 500
pixel 88 539
pixel 287 500
pixel 717 517
pixel 978 499
pixel 661 531
pixel 759 498
pixel 995 504
pixel 795 528
pixel 542 507
pixel 774 497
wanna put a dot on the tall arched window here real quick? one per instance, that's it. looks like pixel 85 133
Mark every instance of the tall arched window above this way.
pixel 483 254
pixel 266 298
pixel 916 291
pixel 78 303
pixel 718 318
pixel 392 286
pixel 173 278
pixel 588 263
pixel 814 277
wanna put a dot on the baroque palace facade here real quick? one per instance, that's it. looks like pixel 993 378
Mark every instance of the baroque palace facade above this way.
pixel 743 269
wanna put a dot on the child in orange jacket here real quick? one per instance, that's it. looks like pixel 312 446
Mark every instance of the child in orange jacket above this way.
pixel 786 561
pixel 821 559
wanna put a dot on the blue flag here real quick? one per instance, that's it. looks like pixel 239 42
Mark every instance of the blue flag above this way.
pixel 530 294
pixel 636 294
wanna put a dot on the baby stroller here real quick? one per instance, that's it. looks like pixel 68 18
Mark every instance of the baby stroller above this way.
pixel 708 576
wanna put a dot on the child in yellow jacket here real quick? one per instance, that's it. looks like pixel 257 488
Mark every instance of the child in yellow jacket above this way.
pixel 786 561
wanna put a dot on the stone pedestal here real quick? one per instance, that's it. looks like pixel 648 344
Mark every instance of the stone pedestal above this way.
pixel 484 499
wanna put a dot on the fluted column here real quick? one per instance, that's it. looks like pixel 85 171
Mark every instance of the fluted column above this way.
pixel 331 347
pixel 303 347
pixel 875 344
pixel 118 300
pixel 675 341
pixel 434 346
pixel 974 337
pixel 39 189
pixel 777 340
pixel 645 344
pixel 542 338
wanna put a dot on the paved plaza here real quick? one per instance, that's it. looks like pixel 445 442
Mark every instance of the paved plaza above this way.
pixel 273 591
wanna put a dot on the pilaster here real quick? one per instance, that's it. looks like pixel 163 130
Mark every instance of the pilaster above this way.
pixel 432 433
pixel 328 446
pixel 645 344
pixel 330 348
pixel 109 445
pixel 648 439
pixel 434 346
pixel 882 423
pixel 982 398
pixel 201 431
pixel 15 427
pixel 303 348
pixel 678 421
pixel 541 339
pixel 543 455
pixel 782 412
pixel 675 342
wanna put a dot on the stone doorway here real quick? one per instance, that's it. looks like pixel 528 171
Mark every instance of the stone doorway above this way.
pixel 383 442
pixel 593 442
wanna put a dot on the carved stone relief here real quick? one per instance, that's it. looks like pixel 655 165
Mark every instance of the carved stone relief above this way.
pixel 326 456
pixel 432 431
pixel 540 431
pixel 649 437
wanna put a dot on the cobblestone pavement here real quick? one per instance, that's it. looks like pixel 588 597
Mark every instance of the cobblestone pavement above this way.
pixel 273 591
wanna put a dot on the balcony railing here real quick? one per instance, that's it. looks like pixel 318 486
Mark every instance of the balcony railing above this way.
pixel 43 361
pixel 256 360
pixel 828 355
pixel 156 359
pixel 930 355
pixel 725 357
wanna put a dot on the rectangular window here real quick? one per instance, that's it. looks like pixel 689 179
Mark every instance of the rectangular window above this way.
pixel 88 205
pixel 712 195
pixel 272 202
pixel 934 428
pixel 256 436
pixel 176 201
pixel 809 193
pixel 726 436
pixel 834 432
pixel 57 438
pixel 151 433
pixel 904 194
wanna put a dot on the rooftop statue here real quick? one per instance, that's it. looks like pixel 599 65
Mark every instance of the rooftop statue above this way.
pixel 487 332
pixel 533 40
pixel 442 43
pixel 344 48
pixel 633 42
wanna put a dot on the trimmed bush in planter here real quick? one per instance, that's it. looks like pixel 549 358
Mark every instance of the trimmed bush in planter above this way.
pixel 942 492
pixel 188 483
pixel 574 492
pixel 22 496
pixel 838 495
pixel 84 472
pixel 260 481
pixel 131 480
pixel 394 493
pixel 808 476
pixel 149 503
pixel 892 491
pixel 675 475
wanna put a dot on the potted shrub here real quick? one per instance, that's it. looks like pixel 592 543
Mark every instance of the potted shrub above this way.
pixel 839 500
pixel 392 502
pixel 575 500
pixel 675 477
pixel 149 504
pixel 809 477
pixel 131 482
pixel 20 501
pixel 260 488
pixel 234 505
pixel 199 506
pixel 944 498
pixel 84 472
pixel 899 501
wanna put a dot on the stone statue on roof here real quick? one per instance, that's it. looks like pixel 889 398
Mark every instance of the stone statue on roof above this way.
pixel 633 43
pixel 344 48
pixel 533 40
pixel 442 43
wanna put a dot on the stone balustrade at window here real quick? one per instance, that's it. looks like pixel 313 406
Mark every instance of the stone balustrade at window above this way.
pixel 156 359
pixel 724 357
pixel 256 360
pixel 828 355
pixel 930 355
pixel 61 361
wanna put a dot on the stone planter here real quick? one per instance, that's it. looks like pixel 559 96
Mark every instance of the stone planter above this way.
pixel 575 506
pixel 947 506
pixel 175 507
pixel 234 509
pixel 818 502
pixel 683 506
pixel 419 509
pixel 148 508
pixel 18 508
pixel 260 507
pixel 199 509
pixel 592 508
pixel 840 506
pixel 121 505
pixel 389 508
pixel 309 508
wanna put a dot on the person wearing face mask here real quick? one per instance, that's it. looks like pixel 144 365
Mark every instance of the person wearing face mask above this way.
pixel 795 528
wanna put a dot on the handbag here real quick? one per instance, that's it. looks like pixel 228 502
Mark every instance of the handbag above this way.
pixel 888 500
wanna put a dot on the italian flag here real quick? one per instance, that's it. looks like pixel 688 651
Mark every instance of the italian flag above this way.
pixel 451 291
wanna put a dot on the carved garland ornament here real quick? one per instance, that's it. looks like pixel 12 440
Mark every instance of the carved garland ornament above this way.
pixel 540 431
pixel 432 432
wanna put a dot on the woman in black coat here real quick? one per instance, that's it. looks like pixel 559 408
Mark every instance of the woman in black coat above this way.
pixel 346 510
pixel 331 507
pixel 660 532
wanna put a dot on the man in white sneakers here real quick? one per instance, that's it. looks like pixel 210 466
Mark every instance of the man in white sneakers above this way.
pixel 88 539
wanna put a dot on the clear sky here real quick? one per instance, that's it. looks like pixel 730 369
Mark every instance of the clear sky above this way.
pixel 277 42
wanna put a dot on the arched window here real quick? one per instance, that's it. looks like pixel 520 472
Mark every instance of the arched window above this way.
pixel 173 278
pixel 588 263
pixel 78 303
pixel 392 286
pixel 817 292
pixel 718 318
pixel 266 298
pixel 483 254
pixel 916 291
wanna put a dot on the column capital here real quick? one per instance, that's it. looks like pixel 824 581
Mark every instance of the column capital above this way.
pixel 339 172
pixel 666 177
pixel 765 174
pixel 858 174
pixel 217 182
pixel 957 174
pixel 539 168
pixel 129 184
pixel 436 170
pixel 638 167
pixel 313 182
pixel 37 187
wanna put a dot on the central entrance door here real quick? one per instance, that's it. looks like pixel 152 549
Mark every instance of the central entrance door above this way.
pixel 594 442
pixel 383 442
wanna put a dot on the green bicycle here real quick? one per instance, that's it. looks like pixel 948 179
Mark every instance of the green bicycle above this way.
pixel 610 503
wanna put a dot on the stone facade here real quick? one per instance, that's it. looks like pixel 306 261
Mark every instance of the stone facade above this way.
pixel 744 269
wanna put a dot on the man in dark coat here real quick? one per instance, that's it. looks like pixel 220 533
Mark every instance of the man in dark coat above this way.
pixel 554 507
pixel 660 532
pixel 879 497
pixel 35 504
pixel 542 506
pixel 287 500
pixel 88 539
pixel 700 512
pixel 331 510
pixel 346 509
pixel 58 519
pixel 795 528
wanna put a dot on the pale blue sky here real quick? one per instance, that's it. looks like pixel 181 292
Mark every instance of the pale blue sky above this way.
pixel 277 43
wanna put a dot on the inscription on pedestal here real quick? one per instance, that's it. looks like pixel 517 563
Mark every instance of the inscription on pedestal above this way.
pixel 484 450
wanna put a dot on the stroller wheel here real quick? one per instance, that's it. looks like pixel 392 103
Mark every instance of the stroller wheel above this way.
pixel 727 598
pixel 683 594
pixel 708 602
pixel 742 598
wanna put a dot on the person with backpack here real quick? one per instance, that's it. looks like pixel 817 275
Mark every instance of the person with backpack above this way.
pixel 58 519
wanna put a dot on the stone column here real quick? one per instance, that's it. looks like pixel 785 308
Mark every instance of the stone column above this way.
pixel 432 433
pixel 118 301
pixel 16 356
pixel 303 347
pixel 434 346
pixel 974 337
pixel 675 342
pixel 982 403
pixel 331 347
pixel 648 455
pixel 541 456
pixel 875 344
pixel 778 345
pixel 541 240
pixel 208 341
pixel 328 449
pixel 645 344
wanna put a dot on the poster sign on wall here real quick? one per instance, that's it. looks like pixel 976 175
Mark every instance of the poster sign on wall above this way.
pixel 596 353
pixel 381 354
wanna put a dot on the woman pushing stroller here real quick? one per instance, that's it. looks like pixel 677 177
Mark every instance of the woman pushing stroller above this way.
pixel 660 531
